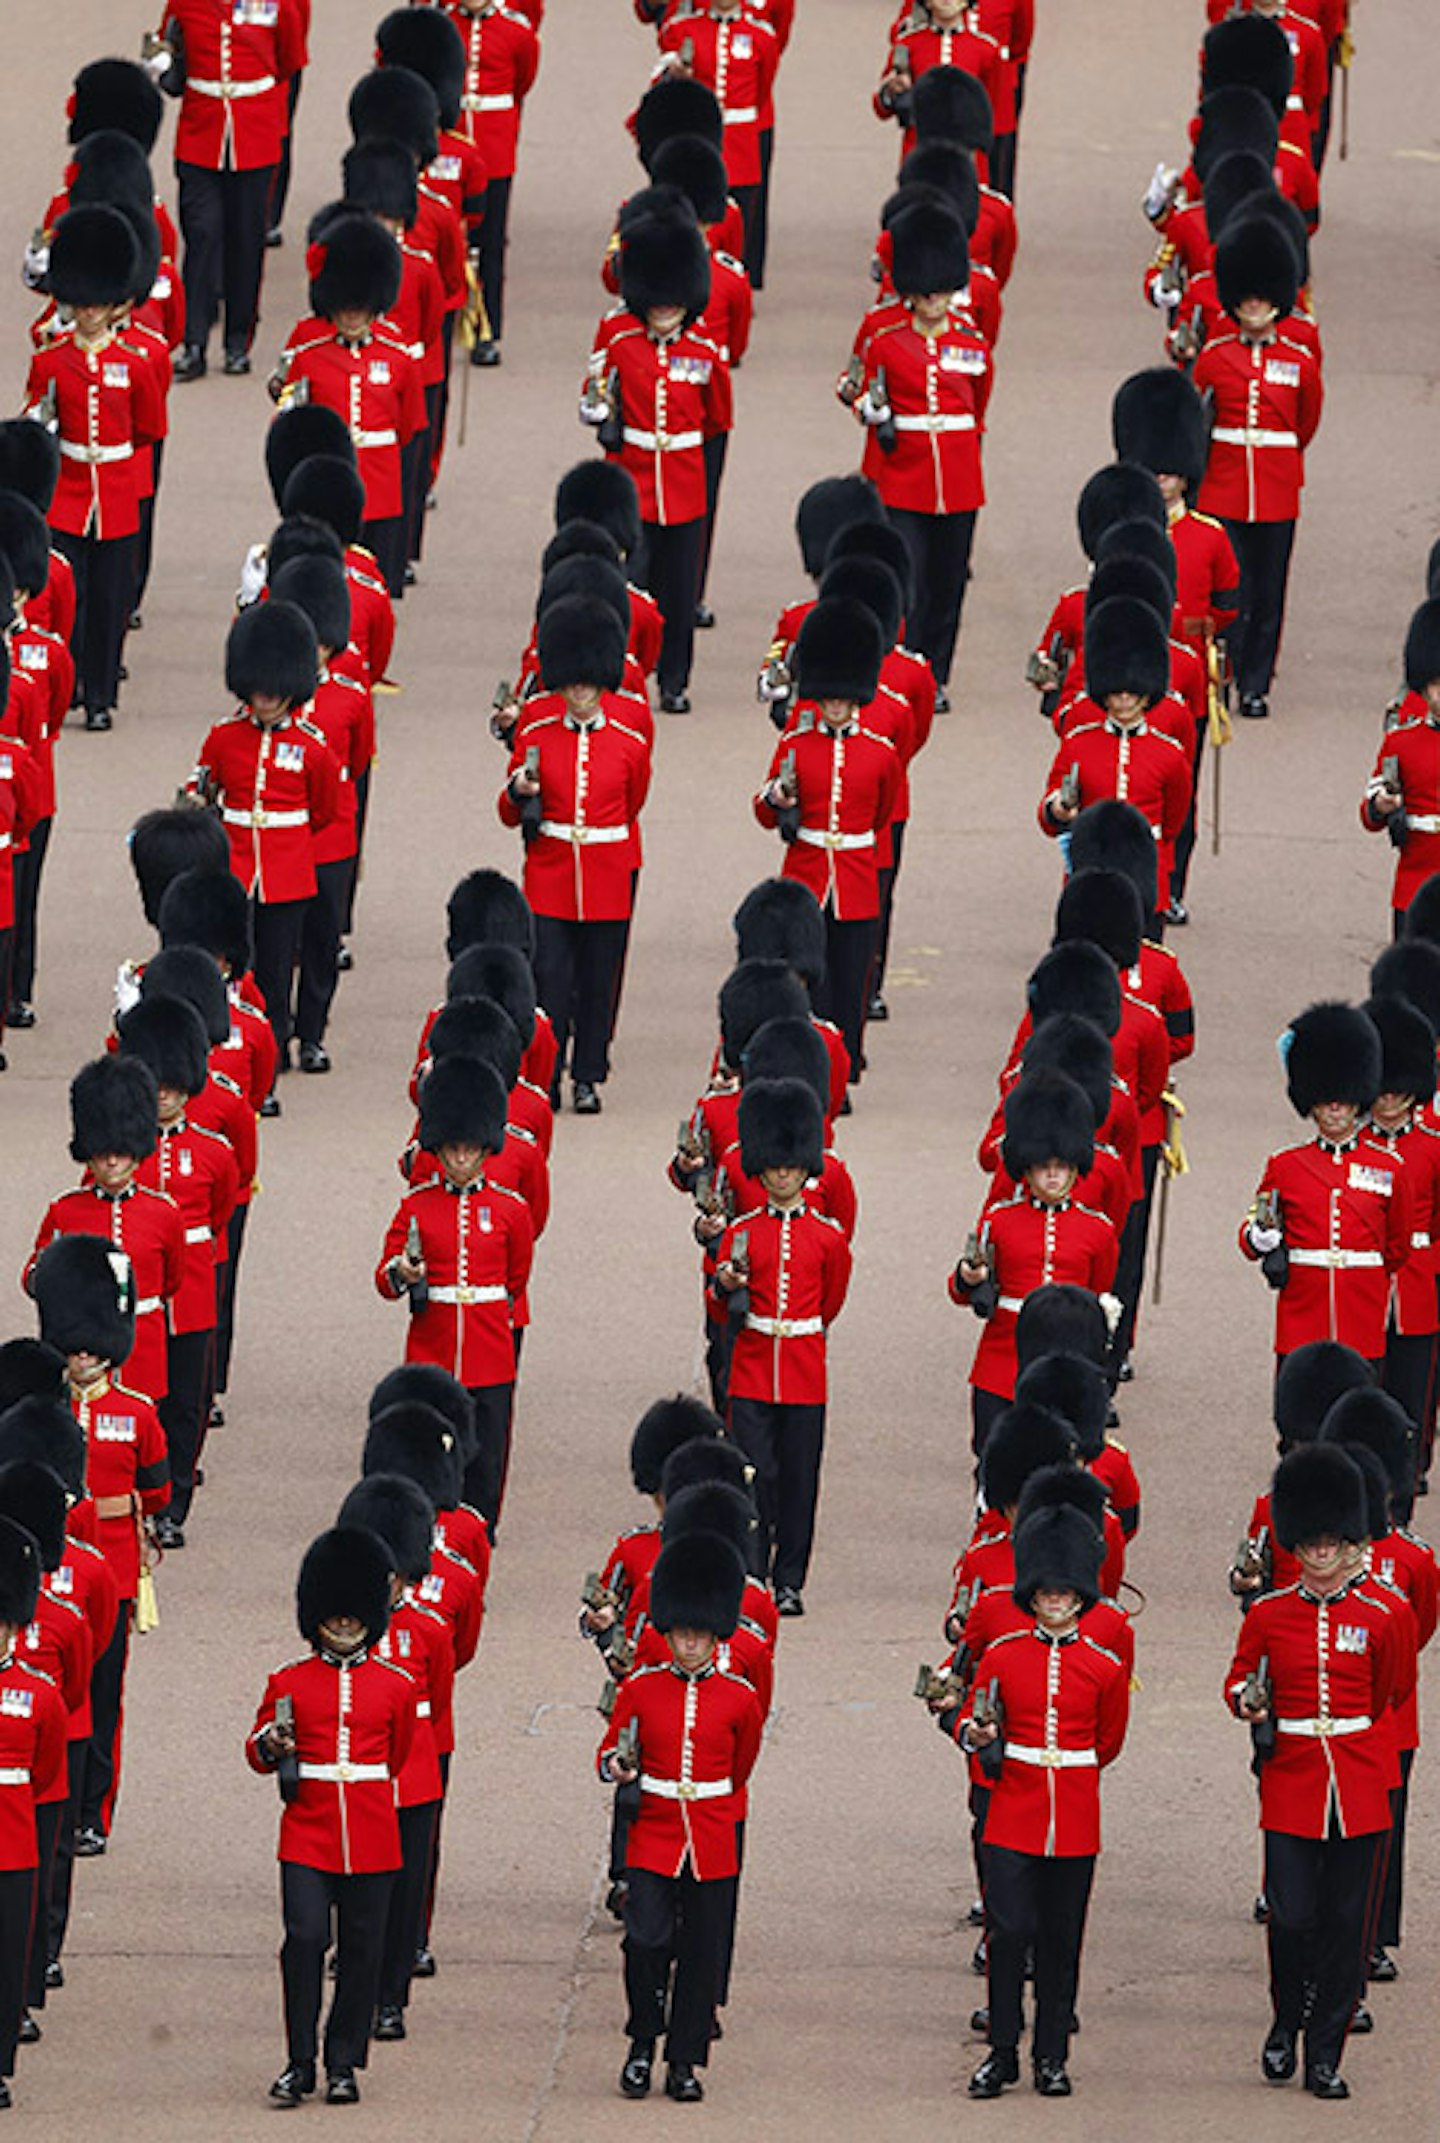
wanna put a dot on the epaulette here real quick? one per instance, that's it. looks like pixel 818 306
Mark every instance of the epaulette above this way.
pixel 634 1532
pixel 391 1667
pixel 728 260
pixel 293 350
pixel 310 729
pixel 520 1131
pixel 1092 1212
pixel 1103 1649
pixel 1208 518
pixel 351 684
pixel 218 1138
pixel 876 738
pixel 626 731
pixel 1116 1445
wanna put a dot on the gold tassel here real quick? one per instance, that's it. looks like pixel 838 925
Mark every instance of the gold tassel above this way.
pixel 1172 1153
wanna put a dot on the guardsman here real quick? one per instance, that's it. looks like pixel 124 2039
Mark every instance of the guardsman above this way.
pixel 32 1762
pixel 1398 1124
pixel 941 33
pixel 41 655
pixel 734 51
pixel 1402 796
pixel 502 59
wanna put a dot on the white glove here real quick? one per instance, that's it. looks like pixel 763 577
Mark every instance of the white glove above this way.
pixel 1165 299
pixel 869 414
pixel 1160 192
pixel 769 688
pixel 252 576
pixel 593 413
pixel 36 265
pixel 159 64
pixel 1264 1240
pixel 127 987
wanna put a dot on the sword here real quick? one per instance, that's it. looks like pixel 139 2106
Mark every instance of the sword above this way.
pixel 1347 55
pixel 1219 732
pixel 1172 1163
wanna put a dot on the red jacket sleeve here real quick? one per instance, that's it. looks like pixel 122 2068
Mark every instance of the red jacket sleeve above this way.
pixel 838 1262
pixel 1113 1718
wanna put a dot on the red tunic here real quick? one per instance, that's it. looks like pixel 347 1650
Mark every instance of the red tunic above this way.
pixel 455 1588
pixel 458 176
pixel 149 1229
pixel 21 794
pixel 1406 1564
pixel 847 780
pixel 799 1271
pixel 372 613
pixel 966 46
pixel 1207 590
pixel 84 1579
pixel 477 1244
pixel 109 406
pixel 629 1564
pixel 196 1169
pixel 673 396
pixel 278 787
pixel 1413 1307
pixel 417 1640
pixel 832 1192
pixel 57 1645
pixel 502 58
pixel 239 57
pixel 375 385
pixel 46 660
pixel 746 1654
pixel 354 1723
pixel 52 608
pixel 736 56
pixel 32 1756
pixel 344 713
pixel 127 1471
pixel 1267 402
pixel 1141 765
pixel 1415 746
pixel 594 778
pixel 938 387
pixel 1065 1703
pixel 699 1730
pixel 1346 1216
pixel 1034 1245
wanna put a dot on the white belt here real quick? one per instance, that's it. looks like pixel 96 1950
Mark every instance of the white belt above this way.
pixel 1336 1260
pixel 93 454
pixel 1051 1759
pixel 584 836
pixel 422 1709
pixel 686 1789
pixel 198 1235
pixel 817 837
pixel 662 442
pixel 1321 1729
pixel 487 104
pixel 785 1327
pixel 462 1295
pixel 344 1774
pixel 1252 435
pixel 4 842
pixel 230 89
pixel 743 115
pixel 1420 1240
pixel 1422 822
pixel 934 423
pixel 147 1303
pixel 14 1775
pixel 389 438
pixel 1010 1302
pixel 260 818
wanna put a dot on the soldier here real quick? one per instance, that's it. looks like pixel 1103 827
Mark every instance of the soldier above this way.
pixel 1397 1125
pixel 337 1729
pixel 691 1736
pixel 1308 1383
pixel 311 461
pixel 21 801
pixel 502 59
pixel 942 33
pixel 40 655
pixel 1402 796
pixel 734 51
pixel 32 1761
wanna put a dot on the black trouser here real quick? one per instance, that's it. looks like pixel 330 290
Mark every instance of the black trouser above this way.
pixel 1263 550
pixel 309 1898
pixel 428 446
pixel 490 252
pixel 63 1873
pixel 7 949
pixel 1130 1267
pixel 280 182
pixel 48 1818
pixel 1408 1376
pixel 1392 1897
pixel 320 934
pixel 1322 1904
pixel 387 542
pixel 939 545
pixel 28 867
pixel 222 216
pixel 887 905
pixel 1002 165
pixel 747 200
pixel 575 969
pixel 229 1281
pixel 668 564
pixel 1035 1903
pixel 145 537
pixel 414 484
pixel 843 996
pixel 623 1811
pixel 675 1920
pixel 986 1407
pixel 405 1919
pixel 432 1881
pixel 104 592
pixel 17 1899
pixel 757 240
pixel 1185 838
pixel 275 927
pixel 101 1785
pixel 714 451
pixel 719 1346
pixel 183 1410
pixel 785 1445
pixel 493 1413
pixel 362 816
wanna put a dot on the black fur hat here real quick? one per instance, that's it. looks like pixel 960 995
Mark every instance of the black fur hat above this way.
pixel 113 1108
pixel 419 1442
pixel 111 167
pixel 1379 1519
pixel 397 1508
pixel 1367 1416
pixel 676 104
pixel 1121 491
pixel 928 251
pixel 163 844
pixel 580 539
pixel 868 581
pixel 379 176
pixel 697 169
pixel 782 1125
pixel 116 94
pixel 427 43
pixel 25 541
pixel 301 536
pixel 1252 51
pixel 29 460
pixel 487 908
pixel 1076 977
pixel 1234 120
pixel 1022 1440
pixel 705 1458
pixel 667 1425
pixel 1104 907
pixel 210 909
pixel 84 1290
pixel 1307 1384
pixel 664 261
pixel 295 435
pixel 1410 969
pixel 780 919
pixel 754 991
pixel 462 1103
pixel 500 971
pixel 716 1507
pixel 33 1368
pixel 948 102
pixel 354 267
pixel 1126 573
pixel 1076 1389
pixel 825 508
pixel 697 1584
pixel 1407 1044
pixel 838 653
pixel 1048 1117
pixel 1158 421
pixel 1422 645
pixel 581 642
pixel 1140 538
pixel 595 577
pixel 1113 835
pixel 789 1049
pixel 878 540
pixel 1057 1550
pixel 20 1572
pixel 1070 1487
pixel 1255 257
pixel 1126 650
pixel 1275 208
pixel 317 586
pixel 427 1384
pixel 1333 1055
pixel 1060 1318
pixel 146 232
pixel 950 168
pixel 603 492
pixel 1318 1492
pixel 270 650
pixel 167 1036
pixel 94 258
pixel 345 1572
pixel 33 1495
pixel 45 1429
pixel 1068 1043
pixel 1422 917
pixel 397 102
pixel 1234 183
pixel 329 489
pixel 478 1027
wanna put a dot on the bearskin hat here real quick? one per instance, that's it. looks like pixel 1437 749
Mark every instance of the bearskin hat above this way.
pixel 1126 650
pixel 111 167
pixel 1104 907
pixel 666 1426
pixel 168 1036
pixel 1410 969
pixel 84 1290
pixel 20 1572
pixel 705 1458
pixel 1078 1391
pixel 1121 491
pixel 595 577
pixel 462 1103
pixel 1113 835
pixel 418 1442
pixel 782 1125
pixel 1158 421
pixel 1060 1318
pixel 1422 917
pixel 754 991
pixel 498 971
pixel 876 539
pixel 271 651
pixel 780 919
pixel 1048 1117
pixel 789 1049
pixel 1068 1487
pixel 664 261
pixel 581 641
pixel 1367 1416
pixel 1060 1551
pixel 871 583
pixel 208 908
pixel 948 102
pixel 45 1429
pixel 1407 1045
pixel 354 267
pixel 697 1584
pixel 603 492
pixel 1255 257
pixel 94 258
pixel 33 1368
pixel 296 540
pixel 1232 120
pixel 427 1384
pixel 1076 977
pixel 25 541
pixel 1253 52
pixel 928 251
pixel 29 460
pixel 344 1572
pixel 1318 1493
pixel 838 653
pixel 1068 1043
pixel 113 1108
pixel 950 169
pixel 165 844
pixel 1307 1384
pixel 425 42
pixel 317 586
pixel 696 168
pixel 33 1495
pixel 676 104
pixel 1333 1055
pixel 580 539
pixel 487 908
pixel 395 1506
pixel 1121 573
pixel 1422 645
pixel 1234 183
pixel 478 1027
pixel 1021 1441
pixel 401 104
pixel 828 506
pixel 379 176
pixel 119 95
pixel 299 433
pixel 715 1507
pixel 1275 208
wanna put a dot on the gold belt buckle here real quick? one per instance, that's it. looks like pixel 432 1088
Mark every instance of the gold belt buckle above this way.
pixel 832 840
pixel 464 1294
pixel 782 1328
pixel 1325 1726
pixel 259 819
pixel 686 1790
pixel 662 440
pixel 344 1771
pixel 1052 1759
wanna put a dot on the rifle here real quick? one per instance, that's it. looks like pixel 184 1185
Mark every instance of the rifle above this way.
pixel 788 815
pixel 503 697
pixel 1252 1571
pixel 627 1745
pixel 1396 825
pixel 987 1710
pixel 1258 1695
pixel 776 688
pixel 1045 670
pixel 886 436
pixel 418 1290
pixel 937 1689
pixel 1275 1264
pixel 597 1596
pixel 738 1304
pixel 530 811
pixel 851 382
pixel 1070 786
pixel 287 1766
pixel 979 1250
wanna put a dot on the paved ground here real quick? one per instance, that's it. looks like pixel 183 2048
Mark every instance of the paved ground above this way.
pixel 852 1988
